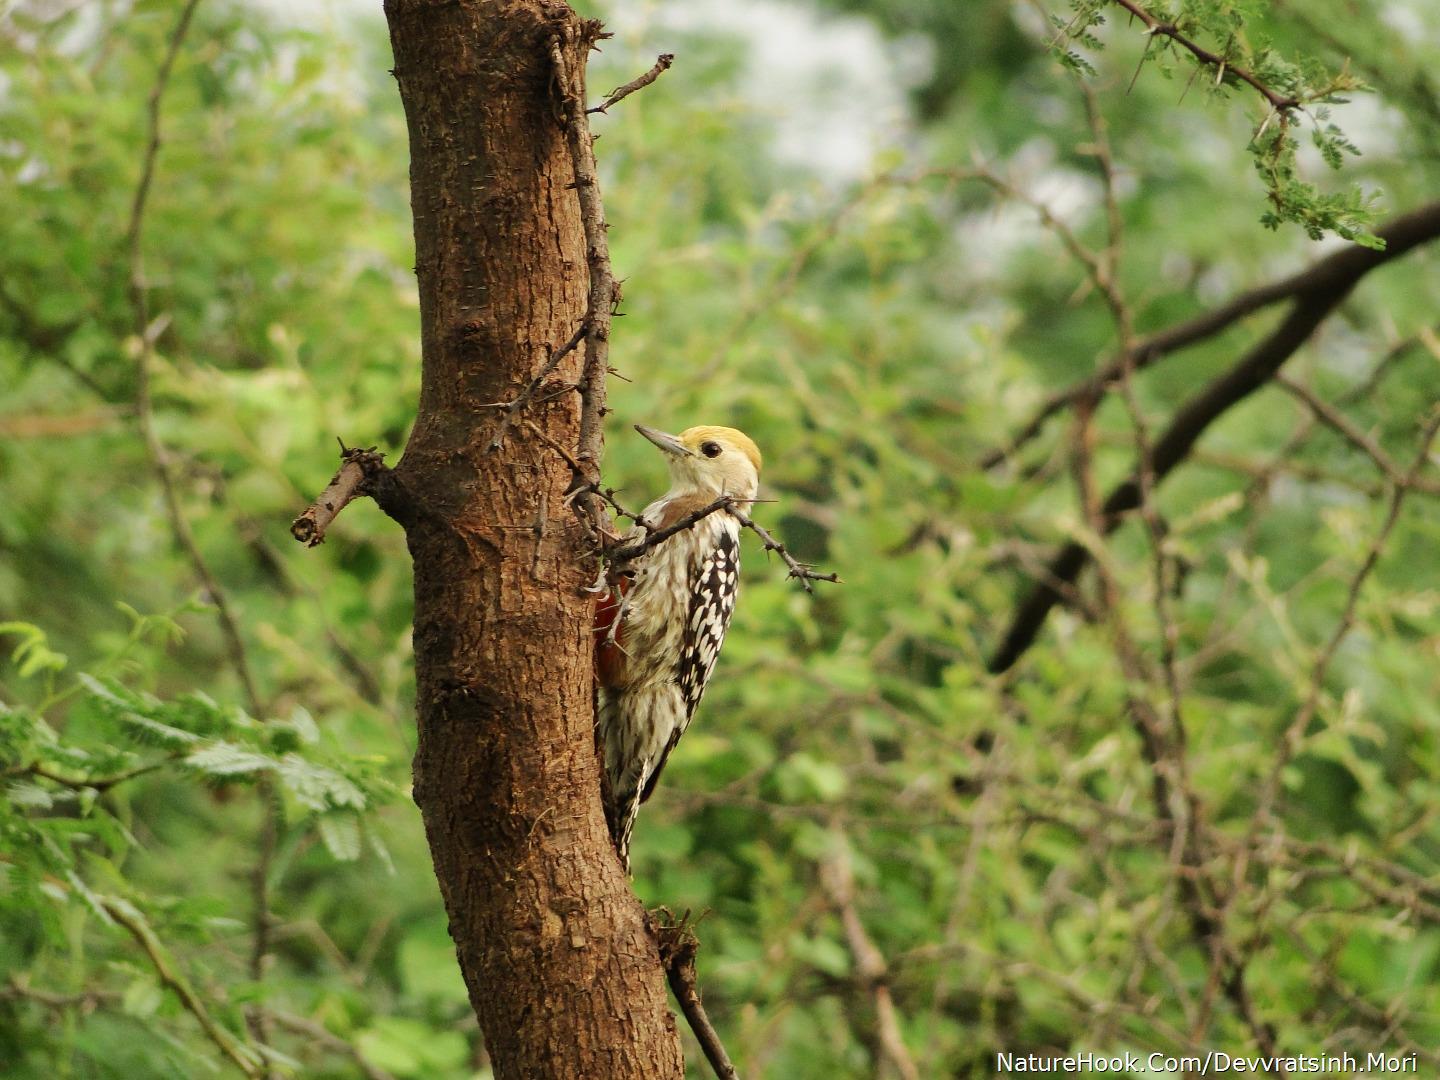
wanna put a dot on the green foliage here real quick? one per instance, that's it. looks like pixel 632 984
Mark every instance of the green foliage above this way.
pixel 1288 91
pixel 66 822
pixel 876 334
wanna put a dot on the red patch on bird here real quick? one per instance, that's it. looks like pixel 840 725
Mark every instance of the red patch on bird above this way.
pixel 609 637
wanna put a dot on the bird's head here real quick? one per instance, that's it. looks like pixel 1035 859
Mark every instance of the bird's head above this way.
pixel 712 461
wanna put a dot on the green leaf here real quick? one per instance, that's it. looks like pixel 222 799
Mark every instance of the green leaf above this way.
pixel 341 834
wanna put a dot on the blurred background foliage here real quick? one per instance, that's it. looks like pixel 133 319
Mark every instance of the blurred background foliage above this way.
pixel 806 256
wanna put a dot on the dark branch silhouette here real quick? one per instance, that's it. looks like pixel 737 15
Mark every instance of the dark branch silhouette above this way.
pixel 1320 291
pixel 1346 265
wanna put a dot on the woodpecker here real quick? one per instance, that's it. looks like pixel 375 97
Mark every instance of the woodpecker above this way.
pixel 661 621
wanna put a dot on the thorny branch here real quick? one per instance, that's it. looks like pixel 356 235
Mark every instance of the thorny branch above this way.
pixel 653 537
pixel 522 399
pixel 1279 102
pixel 662 64
pixel 619 557
pixel 678 946
pixel 801 572
pixel 604 291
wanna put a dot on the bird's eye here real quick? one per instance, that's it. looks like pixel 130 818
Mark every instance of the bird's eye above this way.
pixel 710 449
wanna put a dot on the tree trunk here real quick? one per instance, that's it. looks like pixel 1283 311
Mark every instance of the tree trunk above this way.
pixel 562 970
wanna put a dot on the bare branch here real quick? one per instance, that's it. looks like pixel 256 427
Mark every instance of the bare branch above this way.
pixel 1346 265
pixel 871 969
pixel 654 537
pixel 523 398
pixel 604 293
pixel 1325 286
pixel 662 64
pixel 358 469
pixel 801 572
pixel 607 496
pixel 1337 421
pixel 678 946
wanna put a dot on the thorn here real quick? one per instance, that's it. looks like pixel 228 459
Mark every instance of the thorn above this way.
pixel 1140 65
pixel 1269 117
pixel 1189 83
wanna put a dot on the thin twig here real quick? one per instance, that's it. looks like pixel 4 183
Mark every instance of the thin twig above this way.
pixel 678 946
pixel 654 537
pixel 871 969
pixel 93 783
pixel 569 458
pixel 617 557
pixel 1098 269
pixel 603 293
pixel 1337 421
pixel 522 399
pixel 85 1000
pixel 662 64
pixel 123 913
pixel 607 496
pixel 801 572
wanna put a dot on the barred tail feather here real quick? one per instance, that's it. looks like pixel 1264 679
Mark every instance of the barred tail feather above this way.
pixel 636 728
pixel 621 808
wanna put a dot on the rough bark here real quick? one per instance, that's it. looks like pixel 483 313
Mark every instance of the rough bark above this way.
pixel 562 970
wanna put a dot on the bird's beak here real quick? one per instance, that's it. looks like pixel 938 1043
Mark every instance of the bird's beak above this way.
pixel 668 443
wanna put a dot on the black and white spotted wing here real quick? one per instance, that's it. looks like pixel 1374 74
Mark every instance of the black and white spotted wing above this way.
pixel 712 602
